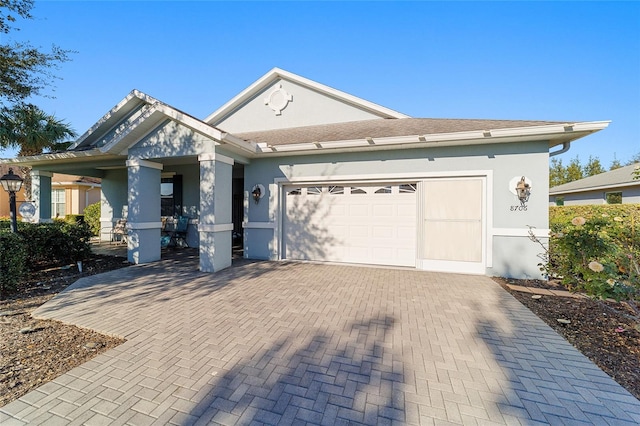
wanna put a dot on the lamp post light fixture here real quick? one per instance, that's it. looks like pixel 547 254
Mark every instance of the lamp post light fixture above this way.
pixel 12 184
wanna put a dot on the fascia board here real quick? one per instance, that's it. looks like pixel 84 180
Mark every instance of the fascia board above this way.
pixel 277 73
pixel 134 94
pixel 58 157
pixel 596 188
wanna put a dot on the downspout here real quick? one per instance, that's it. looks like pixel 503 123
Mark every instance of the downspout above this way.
pixel 565 148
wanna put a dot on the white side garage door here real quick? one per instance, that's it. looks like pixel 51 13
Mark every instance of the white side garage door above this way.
pixel 372 224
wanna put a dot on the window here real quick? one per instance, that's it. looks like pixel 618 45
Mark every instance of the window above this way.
pixel 171 196
pixel 336 190
pixel 314 190
pixel 296 191
pixel 58 203
pixel 384 190
pixel 166 197
pixel 613 197
pixel 407 188
pixel 559 201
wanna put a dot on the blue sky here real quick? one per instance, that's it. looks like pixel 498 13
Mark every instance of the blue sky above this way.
pixel 560 61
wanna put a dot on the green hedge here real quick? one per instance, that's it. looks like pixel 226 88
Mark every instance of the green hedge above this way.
pixel 53 243
pixel 92 217
pixel 13 261
pixel 596 249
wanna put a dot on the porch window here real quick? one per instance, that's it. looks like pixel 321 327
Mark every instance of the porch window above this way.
pixel 171 196
pixel 58 203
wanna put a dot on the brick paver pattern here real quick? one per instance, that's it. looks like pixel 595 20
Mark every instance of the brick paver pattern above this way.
pixel 288 343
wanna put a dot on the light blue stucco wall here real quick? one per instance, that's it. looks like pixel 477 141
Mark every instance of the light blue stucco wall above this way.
pixel 308 107
pixel 171 140
pixel 512 255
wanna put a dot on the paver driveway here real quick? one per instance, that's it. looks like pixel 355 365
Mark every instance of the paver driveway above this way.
pixel 291 343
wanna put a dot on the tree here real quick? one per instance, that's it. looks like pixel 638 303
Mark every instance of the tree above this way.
pixel 557 173
pixel 33 132
pixel 635 159
pixel 593 167
pixel 615 164
pixel 574 170
pixel 24 70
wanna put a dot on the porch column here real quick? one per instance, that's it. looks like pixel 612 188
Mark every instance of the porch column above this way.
pixel 113 200
pixel 41 194
pixel 215 225
pixel 143 222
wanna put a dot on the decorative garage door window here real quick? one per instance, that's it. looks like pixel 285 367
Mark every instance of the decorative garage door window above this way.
pixel 358 223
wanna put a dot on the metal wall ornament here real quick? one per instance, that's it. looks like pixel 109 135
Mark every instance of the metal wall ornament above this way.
pixel 257 192
pixel 523 190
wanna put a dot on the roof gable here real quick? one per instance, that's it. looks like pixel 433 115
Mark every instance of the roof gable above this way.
pixel 132 119
pixel 280 99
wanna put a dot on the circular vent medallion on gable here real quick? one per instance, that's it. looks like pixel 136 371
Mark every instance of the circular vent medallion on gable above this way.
pixel 278 99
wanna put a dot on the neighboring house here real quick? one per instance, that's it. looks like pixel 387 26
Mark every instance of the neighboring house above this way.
pixel 69 194
pixel 615 187
pixel 307 172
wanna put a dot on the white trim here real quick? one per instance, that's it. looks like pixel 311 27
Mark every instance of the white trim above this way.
pixel 41 173
pixel 276 74
pixel 597 188
pixel 144 225
pixel 520 232
pixel 473 268
pixel 379 177
pixel 214 156
pixel 259 225
pixel 167 174
pixel 216 227
pixel 144 163
pixel 224 159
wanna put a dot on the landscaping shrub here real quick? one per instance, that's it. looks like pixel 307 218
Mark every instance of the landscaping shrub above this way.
pixel 13 261
pixel 92 217
pixel 57 242
pixel 596 249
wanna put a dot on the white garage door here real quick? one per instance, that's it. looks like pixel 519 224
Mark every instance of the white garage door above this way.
pixel 452 232
pixel 372 224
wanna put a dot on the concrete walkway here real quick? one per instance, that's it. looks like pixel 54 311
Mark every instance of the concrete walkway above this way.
pixel 292 343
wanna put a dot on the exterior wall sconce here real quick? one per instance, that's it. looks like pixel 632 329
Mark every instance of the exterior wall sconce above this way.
pixel 523 190
pixel 257 192
pixel 12 184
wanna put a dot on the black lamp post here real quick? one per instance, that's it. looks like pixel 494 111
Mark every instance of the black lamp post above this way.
pixel 12 184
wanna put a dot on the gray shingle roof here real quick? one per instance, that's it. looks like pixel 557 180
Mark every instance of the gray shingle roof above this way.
pixel 380 128
pixel 612 179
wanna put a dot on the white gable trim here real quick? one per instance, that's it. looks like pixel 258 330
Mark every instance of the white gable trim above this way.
pixel 277 73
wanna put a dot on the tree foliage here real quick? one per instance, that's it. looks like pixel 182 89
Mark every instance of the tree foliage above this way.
pixel 31 130
pixel 25 70
pixel 575 170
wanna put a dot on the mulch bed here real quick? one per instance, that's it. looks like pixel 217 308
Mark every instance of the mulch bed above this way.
pixel 33 352
pixel 607 332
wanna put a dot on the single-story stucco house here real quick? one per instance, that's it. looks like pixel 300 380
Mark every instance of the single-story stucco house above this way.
pixel 306 172
pixel 615 187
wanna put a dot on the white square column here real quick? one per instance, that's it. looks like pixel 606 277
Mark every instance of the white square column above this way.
pixel 215 224
pixel 41 194
pixel 143 223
